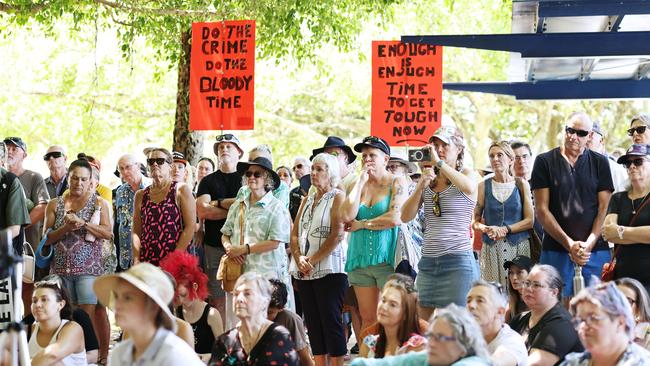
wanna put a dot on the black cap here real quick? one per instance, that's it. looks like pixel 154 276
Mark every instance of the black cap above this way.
pixel 520 261
pixel 373 141
pixel 265 163
pixel 334 141
pixel 16 141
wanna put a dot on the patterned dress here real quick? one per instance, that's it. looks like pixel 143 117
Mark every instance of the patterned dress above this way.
pixel 73 254
pixel 162 226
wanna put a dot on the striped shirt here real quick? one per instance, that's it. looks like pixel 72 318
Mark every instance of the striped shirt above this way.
pixel 449 233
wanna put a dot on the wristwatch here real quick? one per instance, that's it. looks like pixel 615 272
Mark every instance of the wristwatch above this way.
pixel 620 230
pixel 439 163
pixel 219 200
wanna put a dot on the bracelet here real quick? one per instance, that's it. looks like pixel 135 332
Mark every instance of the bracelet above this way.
pixel 509 229
pixel 248 249
pixel 440 163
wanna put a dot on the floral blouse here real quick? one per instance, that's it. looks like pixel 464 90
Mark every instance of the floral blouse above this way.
pixel 275 347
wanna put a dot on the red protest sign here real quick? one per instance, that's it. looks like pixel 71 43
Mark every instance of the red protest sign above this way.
pixel 222 70
pixel 406 92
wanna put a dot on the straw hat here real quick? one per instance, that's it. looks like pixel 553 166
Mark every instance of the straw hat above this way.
pixel 145 277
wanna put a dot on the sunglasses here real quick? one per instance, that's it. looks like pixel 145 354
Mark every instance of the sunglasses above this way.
pixel 157 161
pixel 375 140
pixel 579 133
pixel 298 166
pixel 52 155
pixel 636 162
pixel 436 204
pixel 639 130
pixel 225 137
pixel 249 174
pixel 497 285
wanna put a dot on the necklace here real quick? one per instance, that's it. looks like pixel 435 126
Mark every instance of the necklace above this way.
pixel 633 205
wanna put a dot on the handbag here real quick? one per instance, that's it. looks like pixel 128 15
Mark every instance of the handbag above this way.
pixel 535 242
pixel 229 270
pixel 29 268
pixel 607 273
pixel 43 261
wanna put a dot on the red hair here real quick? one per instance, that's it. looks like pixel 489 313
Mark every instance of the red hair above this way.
pixel 185 269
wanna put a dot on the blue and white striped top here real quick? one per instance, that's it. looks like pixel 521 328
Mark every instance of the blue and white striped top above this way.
pixel 449 233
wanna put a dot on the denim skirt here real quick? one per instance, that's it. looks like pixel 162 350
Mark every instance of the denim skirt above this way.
pixel 446 279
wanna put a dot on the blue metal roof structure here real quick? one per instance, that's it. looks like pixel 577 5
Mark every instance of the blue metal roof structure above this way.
pixel 567 49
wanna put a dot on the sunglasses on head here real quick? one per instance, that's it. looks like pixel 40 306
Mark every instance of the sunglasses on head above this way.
pixel 52 155
pixel 298 166
pixel 640 130
pixel 579 133
pixel 253 174
pixel 436 204
pixel 226 137
pixel 157 161
pixel 374 139
pixel 636 162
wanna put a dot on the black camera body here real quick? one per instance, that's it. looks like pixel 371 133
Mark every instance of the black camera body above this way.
pixel 420 155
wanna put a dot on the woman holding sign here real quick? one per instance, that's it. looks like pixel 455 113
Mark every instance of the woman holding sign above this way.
pixel 448 191
pixel 372 214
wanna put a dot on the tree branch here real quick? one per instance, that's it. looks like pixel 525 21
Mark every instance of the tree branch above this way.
pixel 158 11
pixel 32 8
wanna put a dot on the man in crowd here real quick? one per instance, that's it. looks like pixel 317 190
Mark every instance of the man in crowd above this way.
pixel 619 173
pixel 13 206
pixel 301 168
pixel 215 195
pixel 56 162
pixel 572 186
pixel 488 304
pixel 133 180
pixel 523 159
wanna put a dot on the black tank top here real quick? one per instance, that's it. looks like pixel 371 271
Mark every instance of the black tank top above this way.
pixel 203 337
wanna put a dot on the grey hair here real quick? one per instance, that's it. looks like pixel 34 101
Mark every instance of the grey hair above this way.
pixel 303 161
pixel 263 286
pixel 467 332
pixel 263 150
pixel 610 299
pixel 553 277
pixel 128 158
pixel 3 153
pixel 642 299
pixel 644 118
pixel 333 167
pixel 498 298
pixel 269 183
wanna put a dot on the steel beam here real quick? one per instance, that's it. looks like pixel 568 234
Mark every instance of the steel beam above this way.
pixel 582 8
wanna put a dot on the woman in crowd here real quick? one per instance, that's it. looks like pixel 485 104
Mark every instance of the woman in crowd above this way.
pixel 181 169
pixel 371 212
pixel 518 269
pixel 605 325
pixel 257 227
pixel 627 223
pixel 191 291
pixel 204 167
pixel 164 213
pixel 398 329
pixel 640 129
pixel 255 340
pixel 318 262
pixel 79 220
pixel 454 339
pixel 637 296
pixel 448 267
pixel 54 338
pixel 139 297
pixel 547 327
pixel 285 175
pixel 503 214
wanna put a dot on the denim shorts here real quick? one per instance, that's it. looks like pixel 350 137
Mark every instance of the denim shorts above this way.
pixel 564 265
pixel 80 289
pixel 446 279
pixel 211 264
pixel 371 276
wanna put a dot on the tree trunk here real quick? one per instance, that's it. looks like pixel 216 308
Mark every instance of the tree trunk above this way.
pixel 185 141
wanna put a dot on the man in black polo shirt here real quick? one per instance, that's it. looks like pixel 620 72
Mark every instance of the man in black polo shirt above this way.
pixel 216 193
pixel 572 186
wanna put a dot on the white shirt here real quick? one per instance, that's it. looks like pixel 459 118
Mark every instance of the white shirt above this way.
pixel 510 342
pixel 166 349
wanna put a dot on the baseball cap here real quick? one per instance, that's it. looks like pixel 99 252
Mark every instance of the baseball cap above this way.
pixel 17 141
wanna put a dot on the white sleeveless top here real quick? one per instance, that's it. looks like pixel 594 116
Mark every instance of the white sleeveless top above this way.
pixel 75 359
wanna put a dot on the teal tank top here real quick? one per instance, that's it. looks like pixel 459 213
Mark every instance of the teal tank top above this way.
pixel 372 247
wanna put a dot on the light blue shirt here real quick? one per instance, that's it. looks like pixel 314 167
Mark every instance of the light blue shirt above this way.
pixel 166 349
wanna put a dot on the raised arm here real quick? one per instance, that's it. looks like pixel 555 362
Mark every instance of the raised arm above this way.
pixel 350 206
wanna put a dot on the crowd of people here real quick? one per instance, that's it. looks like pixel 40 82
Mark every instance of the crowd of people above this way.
pixel 432 265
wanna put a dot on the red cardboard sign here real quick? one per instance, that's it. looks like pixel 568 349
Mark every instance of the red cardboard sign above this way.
pixel 222 75
pixel 406 92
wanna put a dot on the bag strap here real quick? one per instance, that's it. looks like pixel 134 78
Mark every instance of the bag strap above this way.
pixel 241 223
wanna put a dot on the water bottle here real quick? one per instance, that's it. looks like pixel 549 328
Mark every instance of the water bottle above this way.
pixel 578 280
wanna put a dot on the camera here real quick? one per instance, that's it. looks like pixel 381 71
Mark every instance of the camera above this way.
pixel 420 155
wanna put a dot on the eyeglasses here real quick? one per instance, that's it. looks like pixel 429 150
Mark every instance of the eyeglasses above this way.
pixel 636 162
pixel 406 283
pixel 579 133
pixel 436 204
pixel 157 161
pixel 52 155
pixel 374 140
pixel 439 337
pixel 590 320
pixel 225 137
pixel 298 166
pixel 640 130
pixel 498 286
pixel 533 285
pixel 249 174
pixel 393 166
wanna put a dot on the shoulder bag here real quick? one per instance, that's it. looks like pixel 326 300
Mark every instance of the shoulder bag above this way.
pixel 42 260
pixel 535 241
pixel 29 269
pixel 607 273
pixel 229 270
